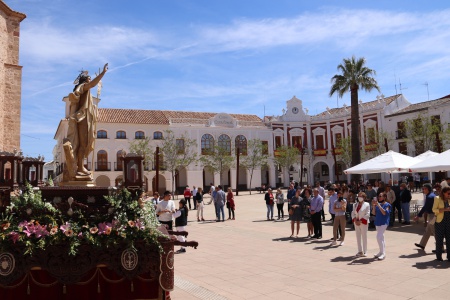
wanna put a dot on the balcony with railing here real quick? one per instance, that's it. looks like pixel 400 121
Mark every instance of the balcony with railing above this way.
pixel 320 152
pixel 370 147
pixel 103 166
pixel 118 166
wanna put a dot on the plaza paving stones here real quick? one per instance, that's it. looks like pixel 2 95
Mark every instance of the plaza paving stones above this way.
pixel 251 258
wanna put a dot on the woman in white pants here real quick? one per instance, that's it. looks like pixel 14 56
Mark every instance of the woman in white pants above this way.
pixel 360 217
pixel 199 199
pixel 381 209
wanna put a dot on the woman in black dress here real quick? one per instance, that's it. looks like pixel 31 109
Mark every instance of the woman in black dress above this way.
pixel 296 216
pixel 305 206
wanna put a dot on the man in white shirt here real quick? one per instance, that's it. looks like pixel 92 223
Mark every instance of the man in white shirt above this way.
pixel 165 209
pixel 194 192
pixel 212 192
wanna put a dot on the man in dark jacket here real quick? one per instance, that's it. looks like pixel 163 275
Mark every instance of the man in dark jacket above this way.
pixel 405 199
pixel 397 203
pixel 427 208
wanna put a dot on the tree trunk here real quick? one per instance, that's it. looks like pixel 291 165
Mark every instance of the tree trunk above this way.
pixel 356 152
pixel 251 177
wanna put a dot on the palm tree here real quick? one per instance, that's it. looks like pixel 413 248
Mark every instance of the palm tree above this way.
pixel 355 76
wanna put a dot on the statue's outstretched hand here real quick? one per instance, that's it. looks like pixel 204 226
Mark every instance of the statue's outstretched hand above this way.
pixel 105 68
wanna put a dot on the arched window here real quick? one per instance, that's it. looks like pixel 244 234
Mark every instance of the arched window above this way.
pixel 139 135
pixel 121 134
pixel 118 166
pixel 241 143
pixel 102 161
pixel 101 134
pixel 157 135
pixel 224 143
pixel 207 144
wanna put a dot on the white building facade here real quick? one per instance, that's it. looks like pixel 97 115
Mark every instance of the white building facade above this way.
pixel 315 135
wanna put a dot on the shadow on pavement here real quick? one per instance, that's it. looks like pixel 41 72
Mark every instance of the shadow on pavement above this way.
pixel 283 239
pixel 412 228
pixel 361 261
pixel 433 264
pixel 343 258
pixel 419 253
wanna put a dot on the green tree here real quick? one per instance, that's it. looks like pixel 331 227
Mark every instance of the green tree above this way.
pixel 178 152
pixel 285 157
pixel 143 147
pixel 354 76
pixel 378 139
pixel 255 157
pixel 218 159
pixel 345 151
pixel 422 132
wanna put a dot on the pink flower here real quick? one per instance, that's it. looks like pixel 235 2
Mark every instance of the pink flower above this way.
pixel 23 224
pixel 14 236
pixel 131 223
pixel 29 229
pixel 93 230
pixel 54 230
pixel 104 228
pixel 65 227
pixel 68 232
pixel 140 225
pixel 40 231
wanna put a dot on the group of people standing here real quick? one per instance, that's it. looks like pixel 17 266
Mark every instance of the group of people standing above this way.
pixel 218 197
pixel 307 205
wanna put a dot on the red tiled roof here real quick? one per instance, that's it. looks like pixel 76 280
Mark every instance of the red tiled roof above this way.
pixel 138 116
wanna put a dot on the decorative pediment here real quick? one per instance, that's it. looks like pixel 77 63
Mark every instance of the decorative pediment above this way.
pixel 223 120
pixel 295 111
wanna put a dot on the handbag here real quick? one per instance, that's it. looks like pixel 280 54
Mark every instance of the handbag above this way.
pixel 228 204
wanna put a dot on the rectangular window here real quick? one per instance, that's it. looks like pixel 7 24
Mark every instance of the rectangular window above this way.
pixel 338 139
pixel 400 133
pixel 297 142
pixel 402 148
pixel 180 146
pixel 265 145
pixel 319 142
pixel 277 142
pixel 371 136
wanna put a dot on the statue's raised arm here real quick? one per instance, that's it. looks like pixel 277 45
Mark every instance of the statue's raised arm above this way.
pixel 97 79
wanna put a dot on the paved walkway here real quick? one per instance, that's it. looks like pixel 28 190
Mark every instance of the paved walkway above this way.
pixel 251 258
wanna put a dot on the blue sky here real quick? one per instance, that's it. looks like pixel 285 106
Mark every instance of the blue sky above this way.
pixel 223 56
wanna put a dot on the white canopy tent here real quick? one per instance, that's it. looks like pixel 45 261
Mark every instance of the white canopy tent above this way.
pixel 389 162
pixel 424 156
pixel 437 163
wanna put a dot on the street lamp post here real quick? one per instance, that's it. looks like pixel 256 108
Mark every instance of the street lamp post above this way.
pixel 237 170
pixel 157 170
pixel 301 166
